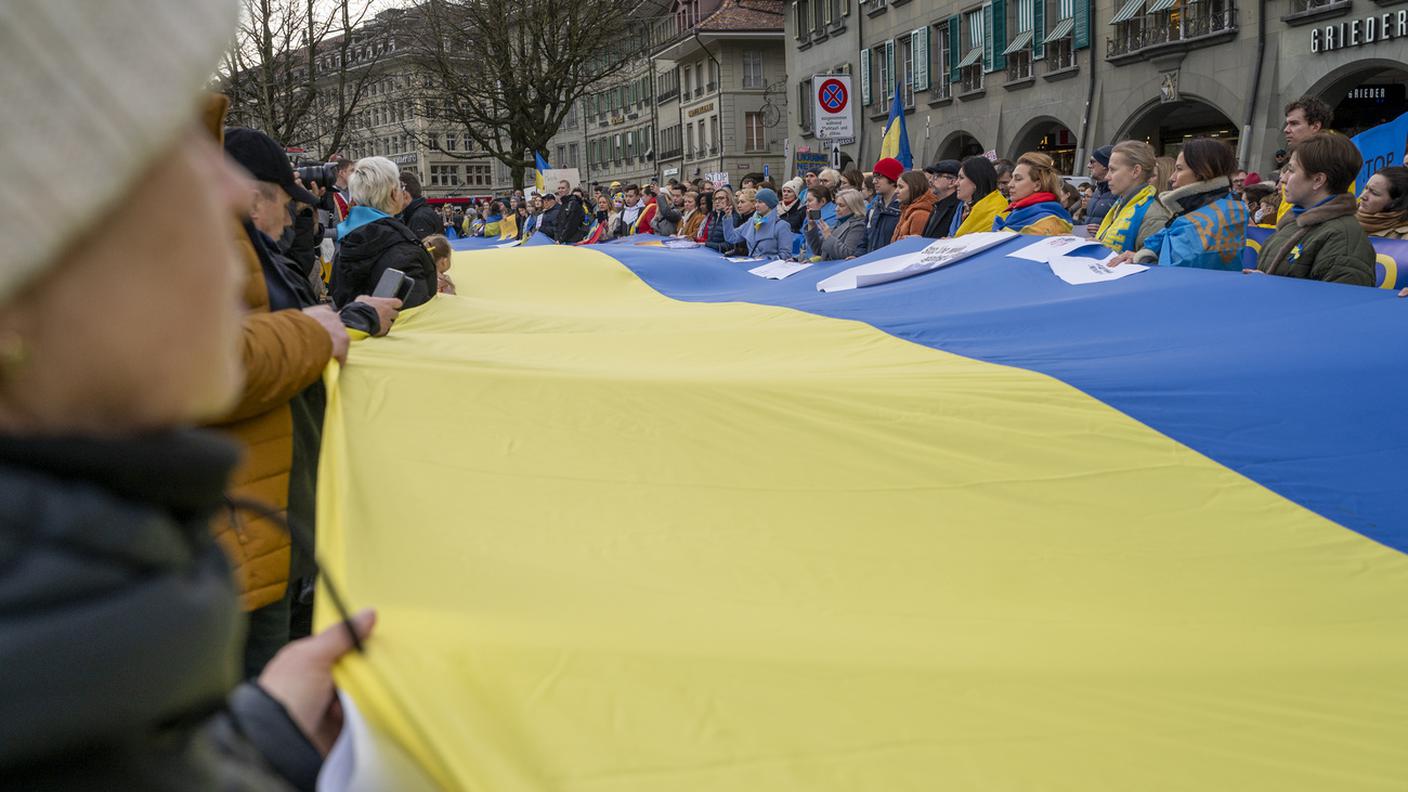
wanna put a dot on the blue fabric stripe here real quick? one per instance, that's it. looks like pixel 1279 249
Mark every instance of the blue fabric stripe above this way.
pixel 1296 385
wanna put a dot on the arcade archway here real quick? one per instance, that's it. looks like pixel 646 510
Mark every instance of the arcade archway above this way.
pixel 959 145
pixel 1165 125
pixel 1049 136
pixel 1364 94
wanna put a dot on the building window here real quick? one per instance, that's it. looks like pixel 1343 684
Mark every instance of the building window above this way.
pixel 1058 44
pixel 942 61
pixel 804 105
pixel 451 141
pixel 702 144
pixel 906 69
pixel 689 140
pixel 753 69
pixel 572 155
pixel 478 175
pixel 713 76
pixel 799 7
pixel 1019 49
pixel 970 69
pixel 818 19
pixel 886 53
pixel 753 131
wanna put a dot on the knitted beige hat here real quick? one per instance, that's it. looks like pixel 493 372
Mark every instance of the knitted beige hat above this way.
pixel 91 94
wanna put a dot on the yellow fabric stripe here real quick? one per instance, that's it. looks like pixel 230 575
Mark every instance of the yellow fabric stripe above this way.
pixel 620 542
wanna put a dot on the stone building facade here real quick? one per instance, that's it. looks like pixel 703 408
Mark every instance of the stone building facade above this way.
pixel 1066 76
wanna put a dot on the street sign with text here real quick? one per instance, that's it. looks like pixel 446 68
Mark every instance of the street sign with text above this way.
pixel 832 106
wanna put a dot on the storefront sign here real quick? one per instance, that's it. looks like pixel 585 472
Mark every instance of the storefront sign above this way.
pixel 705 108
pixel 1358 32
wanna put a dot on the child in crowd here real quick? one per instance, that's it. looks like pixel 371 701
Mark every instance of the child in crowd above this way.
pixel 1320 238
pixel 439 248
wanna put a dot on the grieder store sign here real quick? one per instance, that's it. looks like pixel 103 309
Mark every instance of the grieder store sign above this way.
pixel 1358 32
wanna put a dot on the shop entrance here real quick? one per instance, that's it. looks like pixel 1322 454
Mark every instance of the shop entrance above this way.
pixel 1166 125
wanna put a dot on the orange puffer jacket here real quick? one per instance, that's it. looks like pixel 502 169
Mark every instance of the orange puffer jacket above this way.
pixel 283 353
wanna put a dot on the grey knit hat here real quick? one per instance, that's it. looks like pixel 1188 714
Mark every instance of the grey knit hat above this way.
pixel 93 93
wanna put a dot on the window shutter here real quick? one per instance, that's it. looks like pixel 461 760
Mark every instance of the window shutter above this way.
pixel 955 40
pixel 1081 34
pixel 999 34
pixel 797 17
pixel 1038 29
pixel 865 77
pixel 987 38
pixel 919 47
pixel 890 82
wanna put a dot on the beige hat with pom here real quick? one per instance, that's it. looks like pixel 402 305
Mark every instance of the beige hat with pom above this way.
pixel 92 94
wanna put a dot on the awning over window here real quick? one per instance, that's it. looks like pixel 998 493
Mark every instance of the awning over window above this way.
pixel 973 56
pixel 1062 30
pixel 1161 5
pixel 1020 43
pixel 1130 10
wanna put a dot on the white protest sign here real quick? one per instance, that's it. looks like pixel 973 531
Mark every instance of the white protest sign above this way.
pixel 831 95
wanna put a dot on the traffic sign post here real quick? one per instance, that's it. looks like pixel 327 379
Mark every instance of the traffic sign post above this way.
pixel 831 95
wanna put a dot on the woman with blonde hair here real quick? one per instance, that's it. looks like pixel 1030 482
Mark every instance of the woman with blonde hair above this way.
pixel 1163 173
pixel 845 237
pixel 1137 213
pixel 1035 194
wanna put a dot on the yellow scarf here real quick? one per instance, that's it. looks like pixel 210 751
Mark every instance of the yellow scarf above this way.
pixel 982 214
pixel 1116 229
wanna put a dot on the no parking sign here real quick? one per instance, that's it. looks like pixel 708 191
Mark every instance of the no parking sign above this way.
pixel 832 106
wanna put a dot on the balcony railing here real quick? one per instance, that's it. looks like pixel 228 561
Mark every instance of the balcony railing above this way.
pixel 668 94
pixel 1196 20
pixel 971 80
pixel 1307 6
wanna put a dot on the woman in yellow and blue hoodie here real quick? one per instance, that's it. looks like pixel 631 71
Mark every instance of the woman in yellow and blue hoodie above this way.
pixel 1036 207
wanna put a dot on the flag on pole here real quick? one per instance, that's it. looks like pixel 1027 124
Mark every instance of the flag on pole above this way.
pixel 895 141
pixel 540 166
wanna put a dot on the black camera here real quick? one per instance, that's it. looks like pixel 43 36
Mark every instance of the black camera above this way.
pixel 324 175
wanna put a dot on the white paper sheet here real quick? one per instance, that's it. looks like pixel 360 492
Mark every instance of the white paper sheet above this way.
pixel 779 269
pixel 1078 271
pixel 939 253
pixel 680 244
pixel 1044 249
pixel 509 244
pixel 743 259
pixel 365 760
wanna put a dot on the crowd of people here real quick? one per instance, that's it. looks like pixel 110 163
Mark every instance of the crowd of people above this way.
pixel 1192 210
pixel 199 279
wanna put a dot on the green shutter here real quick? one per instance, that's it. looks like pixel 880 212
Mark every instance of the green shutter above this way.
pixel 865 77
pixel 955 40
pixel 1038 29
pixel 919 49
pixel 891 82
pixel 988 63
pixel 1081 34
pixel 999 34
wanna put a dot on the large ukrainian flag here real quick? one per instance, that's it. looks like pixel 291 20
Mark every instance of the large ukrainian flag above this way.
pixel 637 520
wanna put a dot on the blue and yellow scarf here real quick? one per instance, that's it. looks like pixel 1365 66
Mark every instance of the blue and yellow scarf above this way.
pixel 1120 228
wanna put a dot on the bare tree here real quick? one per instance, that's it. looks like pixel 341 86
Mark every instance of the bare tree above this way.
pixel 508 73
pixel 297 71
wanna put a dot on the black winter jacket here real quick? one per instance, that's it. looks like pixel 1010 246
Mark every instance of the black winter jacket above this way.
pixel 422 219
pixel 941 217
pixel 370 250
pixel 122 631
pixel 717 221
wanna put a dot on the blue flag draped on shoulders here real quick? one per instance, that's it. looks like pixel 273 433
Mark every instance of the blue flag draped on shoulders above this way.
pixel 540 167
pixel 895 141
